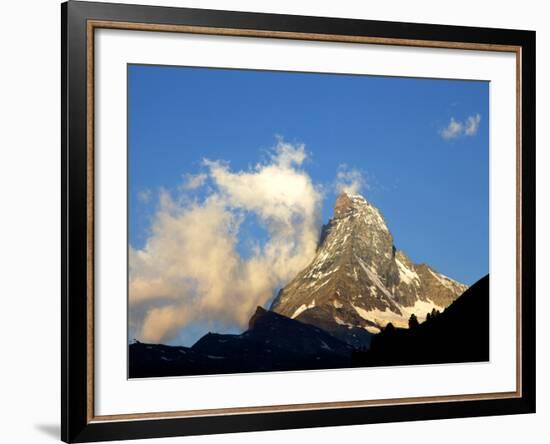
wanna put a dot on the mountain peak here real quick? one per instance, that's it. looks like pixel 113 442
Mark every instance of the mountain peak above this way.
pixel 357 207
pixel 258 314
pixel 359 280
pixel 347 202
pixel 343 205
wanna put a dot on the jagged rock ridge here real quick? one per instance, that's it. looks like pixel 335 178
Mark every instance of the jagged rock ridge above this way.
pixel 358 281
pixel 272 342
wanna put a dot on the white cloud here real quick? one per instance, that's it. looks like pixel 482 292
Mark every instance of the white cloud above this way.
pixel 287 154
pixel 194 181
pixel 456 128
pixel 190 268
pixel 453 129
pixel 349 181
pixel 472 125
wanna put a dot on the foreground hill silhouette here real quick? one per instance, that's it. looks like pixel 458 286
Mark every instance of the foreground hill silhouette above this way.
pixel 272 342
pixel 459 334
pixel 276 343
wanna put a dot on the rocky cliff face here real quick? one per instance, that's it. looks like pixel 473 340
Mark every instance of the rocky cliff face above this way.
pixel 358 282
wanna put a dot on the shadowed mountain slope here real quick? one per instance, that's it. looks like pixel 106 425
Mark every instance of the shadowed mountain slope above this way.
pixel 272 342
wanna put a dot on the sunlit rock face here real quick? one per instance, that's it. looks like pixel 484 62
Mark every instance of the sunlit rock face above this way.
pixel 358 282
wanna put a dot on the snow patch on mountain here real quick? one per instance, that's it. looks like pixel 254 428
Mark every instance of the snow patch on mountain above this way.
pixel 303 308
pixel 406 274
pixel 382 318
pixel 372 329
pixel 373 276
pixel 444 280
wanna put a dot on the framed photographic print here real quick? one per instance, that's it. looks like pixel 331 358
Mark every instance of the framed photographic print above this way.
pixel 276 221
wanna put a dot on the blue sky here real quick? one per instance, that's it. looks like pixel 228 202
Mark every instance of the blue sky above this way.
pixel 420 144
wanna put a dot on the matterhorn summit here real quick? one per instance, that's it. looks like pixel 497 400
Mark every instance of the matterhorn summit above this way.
pixel 358 282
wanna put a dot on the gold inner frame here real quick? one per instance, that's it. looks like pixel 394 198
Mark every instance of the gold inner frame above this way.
pixel 92 25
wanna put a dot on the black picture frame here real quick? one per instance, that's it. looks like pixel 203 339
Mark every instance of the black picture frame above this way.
pixel 77 425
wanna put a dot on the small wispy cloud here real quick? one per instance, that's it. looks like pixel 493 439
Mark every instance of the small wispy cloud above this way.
pixel 452 130
pixel 194 181
pixel 457 128
pixel 472 125
pixel 144 196
pixel 349 180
